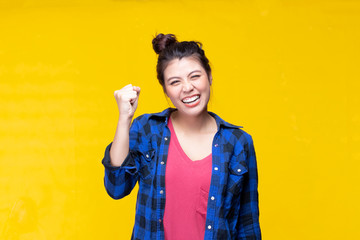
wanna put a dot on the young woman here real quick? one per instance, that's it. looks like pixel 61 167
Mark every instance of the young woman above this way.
pixel 197 174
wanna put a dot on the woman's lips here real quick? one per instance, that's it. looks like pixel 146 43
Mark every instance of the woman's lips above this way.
pixel 191 101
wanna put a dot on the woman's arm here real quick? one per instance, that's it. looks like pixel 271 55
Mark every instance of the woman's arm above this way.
pixel 120 164
pixel 248 222
pixel 127 101
pixel 120 180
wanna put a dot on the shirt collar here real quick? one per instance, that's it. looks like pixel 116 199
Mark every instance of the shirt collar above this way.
pixel 219 122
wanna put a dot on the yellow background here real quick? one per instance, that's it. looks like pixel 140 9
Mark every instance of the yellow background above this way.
pixel 288 71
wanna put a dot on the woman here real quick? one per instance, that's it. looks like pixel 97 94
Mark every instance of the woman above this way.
pixel 197 174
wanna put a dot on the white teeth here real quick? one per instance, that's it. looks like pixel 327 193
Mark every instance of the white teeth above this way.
pixel 191 99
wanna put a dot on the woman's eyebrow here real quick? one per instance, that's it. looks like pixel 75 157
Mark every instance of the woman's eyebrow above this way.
pixel 194 72
pixel 188 75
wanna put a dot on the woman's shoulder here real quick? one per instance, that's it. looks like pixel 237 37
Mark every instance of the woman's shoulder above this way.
pixel 157 115
pixel 232 130
pixel 239 136
pixel 149 121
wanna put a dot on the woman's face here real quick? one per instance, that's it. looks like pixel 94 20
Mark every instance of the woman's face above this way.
pixel 187 85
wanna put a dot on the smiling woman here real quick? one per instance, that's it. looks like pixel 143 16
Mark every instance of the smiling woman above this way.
pixel 195 171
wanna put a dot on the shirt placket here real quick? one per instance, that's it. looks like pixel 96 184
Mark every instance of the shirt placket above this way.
pixel 164 147
pixel 210 215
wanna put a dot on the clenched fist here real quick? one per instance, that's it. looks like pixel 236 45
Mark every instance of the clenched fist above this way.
pixel 127 100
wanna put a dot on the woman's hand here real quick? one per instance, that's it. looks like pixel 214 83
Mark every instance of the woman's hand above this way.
pixel 127 101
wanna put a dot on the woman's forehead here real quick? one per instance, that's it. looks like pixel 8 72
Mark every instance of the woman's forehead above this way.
pixel 182 66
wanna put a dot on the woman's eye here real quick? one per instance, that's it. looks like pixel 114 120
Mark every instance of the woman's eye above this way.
pixel 195 76
pixel 174 82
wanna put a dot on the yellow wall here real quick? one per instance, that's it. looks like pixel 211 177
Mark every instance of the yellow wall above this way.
pixel 287 70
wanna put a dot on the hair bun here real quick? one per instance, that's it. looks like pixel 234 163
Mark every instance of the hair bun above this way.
pixel 161 41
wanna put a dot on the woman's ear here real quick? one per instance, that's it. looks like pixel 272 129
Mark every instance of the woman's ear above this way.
pixel 210 79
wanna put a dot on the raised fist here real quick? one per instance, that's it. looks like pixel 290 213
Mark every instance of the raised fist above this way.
pixel 127 100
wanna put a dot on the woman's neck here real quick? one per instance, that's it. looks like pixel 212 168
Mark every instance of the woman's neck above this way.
pixel 202 123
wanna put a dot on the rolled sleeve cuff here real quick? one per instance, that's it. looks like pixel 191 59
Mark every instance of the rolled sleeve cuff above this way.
pixel 128 165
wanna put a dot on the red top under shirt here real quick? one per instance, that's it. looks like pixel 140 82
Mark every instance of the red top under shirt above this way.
pixel 187 185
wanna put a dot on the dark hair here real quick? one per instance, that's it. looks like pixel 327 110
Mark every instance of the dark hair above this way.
pixel 169 48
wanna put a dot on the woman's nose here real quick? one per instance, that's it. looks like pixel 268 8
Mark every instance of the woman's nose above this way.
pixel 187 87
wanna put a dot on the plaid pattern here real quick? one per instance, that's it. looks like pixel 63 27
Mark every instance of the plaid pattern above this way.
pixel 232 211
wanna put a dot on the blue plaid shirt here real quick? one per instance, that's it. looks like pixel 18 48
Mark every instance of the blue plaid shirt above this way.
pixel 232 210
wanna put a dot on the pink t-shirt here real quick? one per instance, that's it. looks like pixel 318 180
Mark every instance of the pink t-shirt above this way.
pixel 187 185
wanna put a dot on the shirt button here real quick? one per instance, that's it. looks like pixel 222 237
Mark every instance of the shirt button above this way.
pixel 216 145
pixel 165 138
pixel 162 163
pixel 209 227
pixel 159 220
pixel 216 168
pixel 239 170
pixel 212 198
pixel 147 156
pixel 161 191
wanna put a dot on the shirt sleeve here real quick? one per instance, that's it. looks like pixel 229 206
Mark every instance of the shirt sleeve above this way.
pixel 119 181
pixel 248 222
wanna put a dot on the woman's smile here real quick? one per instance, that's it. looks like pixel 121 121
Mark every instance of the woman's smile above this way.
pixel 191 101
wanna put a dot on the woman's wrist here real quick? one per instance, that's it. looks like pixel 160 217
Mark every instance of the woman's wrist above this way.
pixel 124 121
